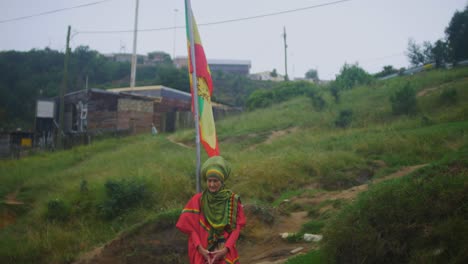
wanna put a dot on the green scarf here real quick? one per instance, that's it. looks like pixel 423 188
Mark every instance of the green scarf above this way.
pixel 220 209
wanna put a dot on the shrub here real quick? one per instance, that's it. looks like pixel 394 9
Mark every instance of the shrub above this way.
pixel 57 210
pixel 448 97
pixel 351 76
pixel 312 227
pixel 122 195
pixel 344 118
pixel 404 101
pixel 282 92
pixel 317 100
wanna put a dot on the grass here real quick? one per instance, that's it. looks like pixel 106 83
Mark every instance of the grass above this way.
pixel 314 153
pixel 312 257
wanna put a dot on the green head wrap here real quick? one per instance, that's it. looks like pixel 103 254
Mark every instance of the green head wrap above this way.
pixel 217 167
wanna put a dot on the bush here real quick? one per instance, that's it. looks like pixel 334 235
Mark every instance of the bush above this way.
pixel 282 92
pixel 317 100
pixel 351 76
pixel 404 101
pixel 392 222
pixel 344 119
pixel 448 97
pixel 57 210
pixel 122 195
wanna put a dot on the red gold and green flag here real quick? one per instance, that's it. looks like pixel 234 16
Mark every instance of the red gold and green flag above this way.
pixel 206 128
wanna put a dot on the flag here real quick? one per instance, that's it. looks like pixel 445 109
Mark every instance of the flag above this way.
pixel 206 127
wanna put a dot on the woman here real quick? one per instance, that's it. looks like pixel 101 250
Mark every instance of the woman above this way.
pixel 213 219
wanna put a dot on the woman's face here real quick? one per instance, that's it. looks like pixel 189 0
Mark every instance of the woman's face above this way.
pixel 214 184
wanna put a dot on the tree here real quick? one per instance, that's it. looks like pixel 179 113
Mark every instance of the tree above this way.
pixel 440 53
pixel 457 35
pixel 387 70
pixel 160 57
pixel 312 74
pixel 274 73
pixel 415 53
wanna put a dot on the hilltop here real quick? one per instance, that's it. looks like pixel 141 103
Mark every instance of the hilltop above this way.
pixel 294 167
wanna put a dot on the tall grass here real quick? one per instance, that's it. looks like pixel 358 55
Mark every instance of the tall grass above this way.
pixel 314 153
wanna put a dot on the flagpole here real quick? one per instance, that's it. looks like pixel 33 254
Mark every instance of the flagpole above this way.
pixel 188 15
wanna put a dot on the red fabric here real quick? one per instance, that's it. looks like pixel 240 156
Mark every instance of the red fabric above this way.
pixel 192 222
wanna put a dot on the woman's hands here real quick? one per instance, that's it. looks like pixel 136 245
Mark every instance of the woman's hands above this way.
pixel 212 257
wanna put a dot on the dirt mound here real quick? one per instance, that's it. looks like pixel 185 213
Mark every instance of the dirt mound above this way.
pixel 149 244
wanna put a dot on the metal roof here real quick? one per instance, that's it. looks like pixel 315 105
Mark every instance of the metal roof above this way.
pixel 157 91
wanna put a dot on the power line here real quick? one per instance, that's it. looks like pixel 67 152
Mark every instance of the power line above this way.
pixel 217 22
pixel 52 11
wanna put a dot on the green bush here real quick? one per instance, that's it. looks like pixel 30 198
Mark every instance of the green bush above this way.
pixel 422 218
pixel 280 93
pixel 313 227
pixel 122 195
pixel 57 210
pixel 448 97
pixel 351 76
pixel 317 100
pixel 344 118
pixel 404 101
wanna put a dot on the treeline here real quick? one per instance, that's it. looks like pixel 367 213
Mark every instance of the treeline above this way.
pixel 450 49
pixel 27 76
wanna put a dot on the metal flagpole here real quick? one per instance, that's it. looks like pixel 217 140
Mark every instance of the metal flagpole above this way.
pixel 134 57
pixel 188 15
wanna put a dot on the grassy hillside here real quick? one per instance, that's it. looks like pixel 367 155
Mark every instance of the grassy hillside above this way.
pixel 78 199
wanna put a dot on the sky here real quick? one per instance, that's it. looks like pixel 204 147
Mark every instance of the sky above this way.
pixel 320 34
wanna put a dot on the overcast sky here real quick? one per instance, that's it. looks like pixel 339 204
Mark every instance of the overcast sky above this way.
pixel 373 33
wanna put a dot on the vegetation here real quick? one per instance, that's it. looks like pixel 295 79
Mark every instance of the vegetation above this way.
pixel 404 101
pixel 65 192
pixel 282 92
pixel 391 223
pixel 351 75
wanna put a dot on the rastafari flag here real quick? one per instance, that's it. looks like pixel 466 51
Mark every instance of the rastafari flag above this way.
pixel 205 89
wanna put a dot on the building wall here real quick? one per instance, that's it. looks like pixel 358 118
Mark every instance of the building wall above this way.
pixel 134 115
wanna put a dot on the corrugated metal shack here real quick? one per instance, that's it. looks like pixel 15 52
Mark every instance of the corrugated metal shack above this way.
pixel 172 108
pixel 98 111
pixel 129 111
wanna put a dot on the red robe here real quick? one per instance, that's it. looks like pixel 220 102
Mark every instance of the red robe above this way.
pixel 193 223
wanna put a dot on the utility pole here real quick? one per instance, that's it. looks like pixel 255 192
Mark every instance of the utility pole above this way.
pixel 134 58
pixel 285 56
pixel 62 93
pixel 175 21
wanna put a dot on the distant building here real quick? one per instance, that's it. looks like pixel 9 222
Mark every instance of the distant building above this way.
pixel 125 57
pixel 266 76
pixel 240 67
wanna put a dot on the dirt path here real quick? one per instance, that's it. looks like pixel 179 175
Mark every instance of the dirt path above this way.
pixel 8 216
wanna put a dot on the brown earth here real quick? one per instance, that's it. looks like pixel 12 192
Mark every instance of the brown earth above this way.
pixel 260 242
pixel 8 215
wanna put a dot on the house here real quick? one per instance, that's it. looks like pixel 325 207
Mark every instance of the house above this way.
pixel 266 76
pixel 239 67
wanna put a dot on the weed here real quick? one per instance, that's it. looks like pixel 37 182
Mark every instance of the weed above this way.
pixel 404 101
pixel 122 195
pixel 344 118
pixel 57 210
